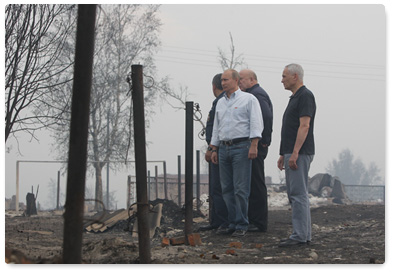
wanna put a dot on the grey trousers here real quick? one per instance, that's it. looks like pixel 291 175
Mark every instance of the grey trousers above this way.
pixel 297 191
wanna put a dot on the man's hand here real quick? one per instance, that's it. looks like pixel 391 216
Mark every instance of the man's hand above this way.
pixel 214 157
pixel 207 156
pixel 292 161
pixel 253 152
pixel 280 163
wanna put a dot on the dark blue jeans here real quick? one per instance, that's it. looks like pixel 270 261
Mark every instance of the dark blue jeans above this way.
pixel 219 212
pixel 235 176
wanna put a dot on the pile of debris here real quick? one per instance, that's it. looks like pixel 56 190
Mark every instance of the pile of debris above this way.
pixel 163 216
pixel 327 186
pixel 167 217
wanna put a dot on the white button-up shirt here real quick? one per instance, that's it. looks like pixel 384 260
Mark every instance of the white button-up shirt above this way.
pixel 236 117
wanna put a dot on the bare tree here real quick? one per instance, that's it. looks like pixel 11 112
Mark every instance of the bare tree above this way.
pixel 34 39
pixel 125 34
pixel 178 99
pixel 233 61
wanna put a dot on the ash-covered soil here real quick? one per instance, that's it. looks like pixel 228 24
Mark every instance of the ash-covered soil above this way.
pixel 342 234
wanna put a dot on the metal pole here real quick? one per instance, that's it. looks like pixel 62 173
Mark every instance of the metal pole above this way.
pixel 57 192
pixel 179 180
pixel 129 190
pixel 156 183
pixel 165 179
pixel 141 163
pixel 198 180
pixel 73 216
pixel 149 185
pixel 188 169
pixel 17 188
pixel 108 163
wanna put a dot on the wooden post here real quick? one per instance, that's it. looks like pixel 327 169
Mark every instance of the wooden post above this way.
pixel 188 169
pixel 141 163
pixel 73 216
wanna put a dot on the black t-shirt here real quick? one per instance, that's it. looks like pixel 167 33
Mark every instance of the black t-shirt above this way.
pixel 300 105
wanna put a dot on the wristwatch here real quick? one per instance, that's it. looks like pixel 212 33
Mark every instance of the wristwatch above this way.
pixel 209 148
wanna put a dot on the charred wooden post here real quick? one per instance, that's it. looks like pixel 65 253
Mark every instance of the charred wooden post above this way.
pixel 31 208
pixel 188 169
pixel 73 216
pixel 141 163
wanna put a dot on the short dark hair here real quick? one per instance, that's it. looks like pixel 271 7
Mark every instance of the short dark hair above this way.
pixel 217 81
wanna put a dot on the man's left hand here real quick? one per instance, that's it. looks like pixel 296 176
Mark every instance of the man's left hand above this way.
pixel 292 161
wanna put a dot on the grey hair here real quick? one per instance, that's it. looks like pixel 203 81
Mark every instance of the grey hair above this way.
pixel 296 69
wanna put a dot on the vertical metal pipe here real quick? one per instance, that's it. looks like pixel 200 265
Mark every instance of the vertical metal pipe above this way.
pixel 129 186
pixel 17 188
pixel 141 163
pixel 149 185
pixel 198 180
pixel 179 180
pixel 165 179
pixel 156 183
pixel 57 192
pixel 73 216
pixel 188 169
pixel 108 163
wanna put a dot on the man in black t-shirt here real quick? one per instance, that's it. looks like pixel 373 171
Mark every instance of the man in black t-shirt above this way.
pixel 297 151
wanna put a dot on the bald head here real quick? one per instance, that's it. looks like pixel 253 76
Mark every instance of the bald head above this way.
pixel 248 79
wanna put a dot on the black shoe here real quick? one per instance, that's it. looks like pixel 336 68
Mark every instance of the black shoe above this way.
pixel 224 231
pixel 206 228
pixel 253 228
pixel 239 233
pixel 285 239
pixel 290 242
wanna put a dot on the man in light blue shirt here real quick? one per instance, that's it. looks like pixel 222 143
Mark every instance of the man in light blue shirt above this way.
pixel 238 126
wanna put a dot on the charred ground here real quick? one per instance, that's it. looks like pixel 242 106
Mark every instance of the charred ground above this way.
pixel 348 234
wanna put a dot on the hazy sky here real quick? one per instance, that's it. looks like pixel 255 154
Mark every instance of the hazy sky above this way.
pixel 342 49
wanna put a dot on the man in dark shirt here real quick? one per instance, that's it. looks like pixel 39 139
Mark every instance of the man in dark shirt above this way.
pixel 297 151
pixel 218 210
pixel 257 205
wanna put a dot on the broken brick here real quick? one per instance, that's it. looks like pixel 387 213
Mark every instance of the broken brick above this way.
pixel 194 239
pixel 177 240
pixel 259 246
pixel 235 244
pixel 231 252
pixel 165 242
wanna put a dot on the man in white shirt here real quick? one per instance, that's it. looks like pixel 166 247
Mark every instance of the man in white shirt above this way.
pixel 238 126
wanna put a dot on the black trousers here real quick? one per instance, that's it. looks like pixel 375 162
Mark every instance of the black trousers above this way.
pixel 257 205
